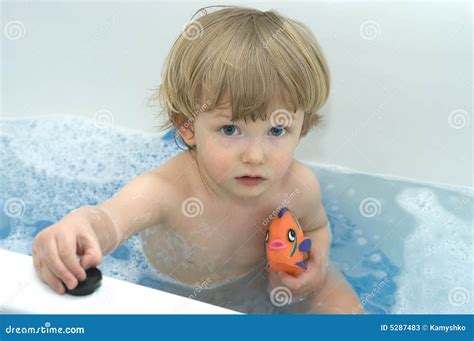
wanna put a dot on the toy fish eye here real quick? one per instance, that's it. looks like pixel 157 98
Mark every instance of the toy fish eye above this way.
pixel 291 235
pixel 266 236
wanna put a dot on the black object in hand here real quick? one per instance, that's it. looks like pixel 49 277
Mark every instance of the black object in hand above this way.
pixel 87 287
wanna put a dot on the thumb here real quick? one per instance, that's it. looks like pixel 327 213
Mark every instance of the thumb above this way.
pixel 274 279
pixel 91 254
pixel 89 261
pixel 315 253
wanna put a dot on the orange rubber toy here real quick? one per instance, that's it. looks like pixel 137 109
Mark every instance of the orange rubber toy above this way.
pixel 285 244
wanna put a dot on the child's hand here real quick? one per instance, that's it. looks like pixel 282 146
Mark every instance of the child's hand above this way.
pixel 307 282
pixel 55 249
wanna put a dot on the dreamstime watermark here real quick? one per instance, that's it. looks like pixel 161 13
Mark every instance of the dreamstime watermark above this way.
pixel 367 299
pixel 369 30
pixel 280 296
pixel 192 207
pixel 365 124
pixel 186 125
pixel 459 296
pixel 20 287
pixel 458 119
pixel 370 207
pixel 14 207
pixel 14 30
pixel 193 30
pixel 111 238
pixel 281 118
pixel 46 329
pixel 452 35
pixel 460 205
pixel 103 119
pixel 200 287
pixel 288 198
pixel 275 35
pixel 106 24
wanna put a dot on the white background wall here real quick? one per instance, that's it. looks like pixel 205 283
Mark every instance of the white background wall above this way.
pixel 401 99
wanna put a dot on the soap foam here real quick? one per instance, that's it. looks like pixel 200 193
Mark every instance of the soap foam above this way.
pixel 438 258
pixel 52 165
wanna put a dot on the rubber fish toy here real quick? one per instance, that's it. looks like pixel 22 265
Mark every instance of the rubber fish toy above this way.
pixel 285 244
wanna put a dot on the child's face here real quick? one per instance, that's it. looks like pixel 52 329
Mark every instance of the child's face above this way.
pixel 227 150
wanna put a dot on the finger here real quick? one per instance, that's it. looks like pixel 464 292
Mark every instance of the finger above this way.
pixel 314 256
pixel 90 252
pixel 313 269
pixel 306 256
pixel 274 279
pixel 36 262
pixel 50 279
pixel 54 264
pixel 295 284
pixel 68 253
pixel 315 251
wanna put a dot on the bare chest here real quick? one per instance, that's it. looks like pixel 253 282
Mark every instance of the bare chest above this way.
pixel 223 237
pixel 203 237
pixel 210 242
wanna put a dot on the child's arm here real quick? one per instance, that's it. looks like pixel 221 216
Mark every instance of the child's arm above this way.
pixel 314 222
pixel 139 204
pixel 322 236
pixel 91 231
pixel 313 219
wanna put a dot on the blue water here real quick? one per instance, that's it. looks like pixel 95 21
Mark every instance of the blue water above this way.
pixel 406 247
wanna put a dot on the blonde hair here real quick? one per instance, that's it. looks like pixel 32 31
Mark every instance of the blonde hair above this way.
pixel 249 55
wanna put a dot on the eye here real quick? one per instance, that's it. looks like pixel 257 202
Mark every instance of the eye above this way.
pixel 291 235
pixel 266 236
pixel 278 131
pixel 228 130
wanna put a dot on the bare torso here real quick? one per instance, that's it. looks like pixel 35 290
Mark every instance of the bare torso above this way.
pixel 216 243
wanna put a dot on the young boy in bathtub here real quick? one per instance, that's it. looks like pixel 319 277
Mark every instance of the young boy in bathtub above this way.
pixel 241 87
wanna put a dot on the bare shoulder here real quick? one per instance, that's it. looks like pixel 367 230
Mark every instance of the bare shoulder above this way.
pixel 309 207
pixel 174 170
pixel 176 174
pixel 304 179
pixel 146 200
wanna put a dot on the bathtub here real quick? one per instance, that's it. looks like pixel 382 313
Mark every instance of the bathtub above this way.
pixel 22 292
pixel 405 246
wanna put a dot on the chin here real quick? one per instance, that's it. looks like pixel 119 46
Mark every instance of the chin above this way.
pixel 252 192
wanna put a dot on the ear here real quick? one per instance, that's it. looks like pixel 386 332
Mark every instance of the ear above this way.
pixel 187 134
pixel 185 128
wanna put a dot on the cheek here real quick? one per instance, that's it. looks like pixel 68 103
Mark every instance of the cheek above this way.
pixel 217 164
pixel 281 161
pixel 216 158
pixel 281 166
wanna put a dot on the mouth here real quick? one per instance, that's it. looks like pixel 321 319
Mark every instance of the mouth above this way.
pixel 277 244
pixel 251 177
pixel 250 180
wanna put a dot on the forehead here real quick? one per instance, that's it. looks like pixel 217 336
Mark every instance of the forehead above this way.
pixel 224 111
pixel 224 107
pixel 276 115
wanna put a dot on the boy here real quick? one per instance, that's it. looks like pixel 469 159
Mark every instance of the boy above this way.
pixel 241 87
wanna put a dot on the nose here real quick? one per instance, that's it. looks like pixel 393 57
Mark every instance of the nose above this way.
pixel 277 244
pixel 254 153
